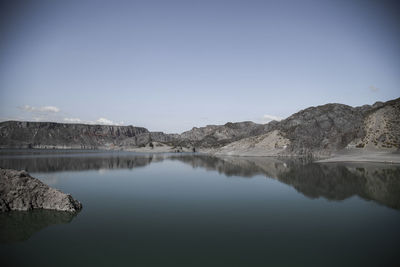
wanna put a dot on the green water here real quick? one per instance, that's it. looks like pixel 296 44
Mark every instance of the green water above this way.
pixel 194 210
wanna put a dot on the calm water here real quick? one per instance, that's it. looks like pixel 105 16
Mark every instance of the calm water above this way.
pixel 194 210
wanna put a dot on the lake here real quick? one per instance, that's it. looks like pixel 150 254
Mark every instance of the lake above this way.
pixel 198 210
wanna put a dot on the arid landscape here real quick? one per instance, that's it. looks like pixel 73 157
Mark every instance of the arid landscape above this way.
pixel 238 133
pixel 369 133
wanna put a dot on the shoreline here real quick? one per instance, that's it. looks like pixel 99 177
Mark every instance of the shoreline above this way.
pixel 387 157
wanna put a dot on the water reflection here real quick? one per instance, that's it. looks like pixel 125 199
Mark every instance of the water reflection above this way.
pixel 78 162
pixel 370 181
pixel 18 226
pixel 333 181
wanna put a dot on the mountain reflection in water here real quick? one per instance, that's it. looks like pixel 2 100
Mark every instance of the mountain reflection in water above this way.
pixel 333 181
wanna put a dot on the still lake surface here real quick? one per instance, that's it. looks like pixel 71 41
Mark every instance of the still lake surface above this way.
pixel 197 210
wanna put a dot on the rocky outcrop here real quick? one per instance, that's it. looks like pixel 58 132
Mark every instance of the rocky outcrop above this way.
pixel 20 191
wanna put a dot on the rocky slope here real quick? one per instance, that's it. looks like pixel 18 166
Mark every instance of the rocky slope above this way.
pixel 20 191
pixel 381 126
pixel 322 131
pixel 212 136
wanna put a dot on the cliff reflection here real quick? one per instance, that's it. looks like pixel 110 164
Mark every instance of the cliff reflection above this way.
pixel 56 163
pixel 370 181
pixel 334 181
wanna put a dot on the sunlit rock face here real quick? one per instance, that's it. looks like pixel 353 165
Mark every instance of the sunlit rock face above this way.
pixel 20 191
pixel 382 127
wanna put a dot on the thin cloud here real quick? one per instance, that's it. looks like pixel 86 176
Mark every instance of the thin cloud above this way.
pixel 373 88
pixel 104 121
pixel 44 109
pixel 72 120
pixel 268 118
pixel 54 114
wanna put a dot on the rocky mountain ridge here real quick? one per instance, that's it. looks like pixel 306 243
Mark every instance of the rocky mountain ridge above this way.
pixel 316 131
pixel 323 130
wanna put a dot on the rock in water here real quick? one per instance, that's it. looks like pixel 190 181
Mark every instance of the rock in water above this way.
pixel 20 191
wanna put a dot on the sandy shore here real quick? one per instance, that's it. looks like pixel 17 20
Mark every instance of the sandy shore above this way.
pixel 356 155
pixel 159 148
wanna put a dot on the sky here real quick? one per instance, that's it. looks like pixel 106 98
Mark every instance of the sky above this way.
pixel 172 65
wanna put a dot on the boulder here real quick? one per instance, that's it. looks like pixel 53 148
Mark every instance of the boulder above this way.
pixel 20 191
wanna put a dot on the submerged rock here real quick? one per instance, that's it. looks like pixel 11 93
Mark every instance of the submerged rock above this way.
pixel 20 191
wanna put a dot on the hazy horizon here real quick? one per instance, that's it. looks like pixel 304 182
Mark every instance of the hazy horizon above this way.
pixel 173 65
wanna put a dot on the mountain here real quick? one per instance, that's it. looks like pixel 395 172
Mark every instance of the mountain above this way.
pixel 316 131
pixel 323 130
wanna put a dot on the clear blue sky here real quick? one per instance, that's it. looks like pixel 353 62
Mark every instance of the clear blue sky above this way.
pixel 171 65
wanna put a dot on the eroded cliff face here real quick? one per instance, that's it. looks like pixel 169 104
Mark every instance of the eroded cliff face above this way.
pixel 15 134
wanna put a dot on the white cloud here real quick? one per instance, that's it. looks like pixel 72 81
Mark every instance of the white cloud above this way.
pixel 54 114
pixel 268 118
pixel 373 88
pixel 104 121
pixel 49 109
pixel 72 120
